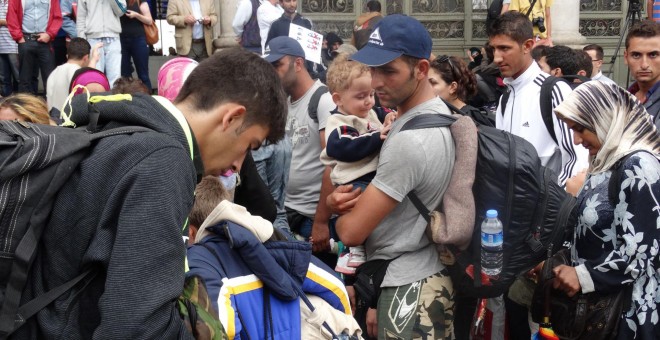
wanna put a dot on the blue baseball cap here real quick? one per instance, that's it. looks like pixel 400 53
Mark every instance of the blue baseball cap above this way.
pixel 281 46
pixel 394 36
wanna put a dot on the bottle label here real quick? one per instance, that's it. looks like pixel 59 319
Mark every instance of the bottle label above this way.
pixel 492 239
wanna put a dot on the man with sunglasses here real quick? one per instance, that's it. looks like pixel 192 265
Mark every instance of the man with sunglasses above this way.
pixel 416 298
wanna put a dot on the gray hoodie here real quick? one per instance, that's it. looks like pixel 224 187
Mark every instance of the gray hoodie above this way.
pixel 99 18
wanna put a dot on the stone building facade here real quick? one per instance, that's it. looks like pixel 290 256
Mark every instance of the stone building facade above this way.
pixel 456 25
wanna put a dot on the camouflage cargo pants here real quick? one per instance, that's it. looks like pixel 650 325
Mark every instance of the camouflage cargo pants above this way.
pixel 421 310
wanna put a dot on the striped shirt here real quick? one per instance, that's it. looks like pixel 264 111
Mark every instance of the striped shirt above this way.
pixel 7 44
pixel 656 11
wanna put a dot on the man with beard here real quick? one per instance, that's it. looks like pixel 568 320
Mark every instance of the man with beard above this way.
pixel 309 181
pixel 416 295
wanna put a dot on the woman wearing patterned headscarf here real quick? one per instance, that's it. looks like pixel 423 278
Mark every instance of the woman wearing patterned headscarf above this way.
pixel 616 240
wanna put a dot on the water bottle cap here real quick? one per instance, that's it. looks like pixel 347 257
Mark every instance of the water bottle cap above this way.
pixel 492 213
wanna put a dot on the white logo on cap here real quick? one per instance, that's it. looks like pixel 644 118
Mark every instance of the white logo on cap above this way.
pixel 374 38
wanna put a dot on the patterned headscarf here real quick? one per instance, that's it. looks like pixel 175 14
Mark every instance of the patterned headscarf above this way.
pixel 619 120
pixel 172 75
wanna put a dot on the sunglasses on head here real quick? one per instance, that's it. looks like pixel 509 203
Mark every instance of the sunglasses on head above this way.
pixel 447 59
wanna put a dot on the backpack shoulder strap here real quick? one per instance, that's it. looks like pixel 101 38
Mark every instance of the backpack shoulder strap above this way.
pixel 426 121
pixel 571 78
pixel 255 6
pixel 313 107
pixel 431 120
pixel 32 307
pixel 545 101
pixel 505 100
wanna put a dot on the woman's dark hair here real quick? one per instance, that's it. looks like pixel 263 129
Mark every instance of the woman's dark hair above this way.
pixel 453 69
pixel 129 85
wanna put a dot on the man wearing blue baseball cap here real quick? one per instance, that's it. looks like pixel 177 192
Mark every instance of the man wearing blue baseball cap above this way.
pixel 416 299
pixel 309 181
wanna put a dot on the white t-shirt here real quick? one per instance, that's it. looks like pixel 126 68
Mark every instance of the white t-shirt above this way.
pixel 306 172
pixel 266 14
pixel 413 160
pixel 57 86
pixel 198 31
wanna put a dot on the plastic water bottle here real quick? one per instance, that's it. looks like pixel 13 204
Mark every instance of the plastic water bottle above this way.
pixel 491 244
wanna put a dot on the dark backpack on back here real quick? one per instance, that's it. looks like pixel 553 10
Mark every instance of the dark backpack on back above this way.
pixel 494 11
pixel 36 161
pixel 251 36
pixel 313 106
pixel 537 214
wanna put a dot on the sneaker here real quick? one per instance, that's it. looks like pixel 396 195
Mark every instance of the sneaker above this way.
pixel 342 265
pixel 357 256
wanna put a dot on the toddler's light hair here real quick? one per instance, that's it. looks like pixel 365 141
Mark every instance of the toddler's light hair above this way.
pixel 342 72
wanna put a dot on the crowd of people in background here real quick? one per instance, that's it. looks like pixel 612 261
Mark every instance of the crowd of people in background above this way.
pixel 286 177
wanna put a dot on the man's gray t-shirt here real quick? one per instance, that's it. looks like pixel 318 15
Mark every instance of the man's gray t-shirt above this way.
pixel 306 173
pixel 420 160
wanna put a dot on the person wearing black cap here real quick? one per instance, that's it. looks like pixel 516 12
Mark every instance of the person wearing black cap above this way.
pixel 475 56
pixel 309 183
pixel 416 299
pixel 331 43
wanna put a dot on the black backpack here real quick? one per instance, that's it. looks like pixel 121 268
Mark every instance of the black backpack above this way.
pixel 537 214
pixel 313 106
pixel 36 161
pixel 494 11
pixel 251 36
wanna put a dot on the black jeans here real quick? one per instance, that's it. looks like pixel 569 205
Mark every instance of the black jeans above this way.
pixel 30 54
pixel 59 50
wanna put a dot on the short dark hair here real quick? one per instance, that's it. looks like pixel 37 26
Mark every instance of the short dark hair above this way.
pixel 540 51
pixel 77 49
pixel 410 61
pixel 563 57
pixel 594 47
pixel 373 6
pixel 584 60
pixel 239 76
pixel 453 69
pixel 129 85
pixel 208 194
pixel 490 52
pixel 514 25
pixel 643 29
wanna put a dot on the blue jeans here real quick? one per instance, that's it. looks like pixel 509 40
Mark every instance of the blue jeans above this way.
pixel 273 163
pixel 8 73
pixel 110 60
pixel 136 48
pixel 360 184
pixel 306 228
